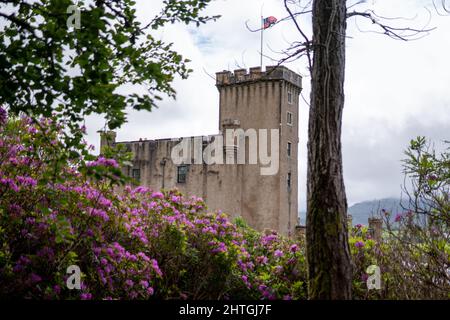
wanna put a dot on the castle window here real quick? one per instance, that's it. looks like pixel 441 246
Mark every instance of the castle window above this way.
pixel 181 174
pixel 289 149
pixel 290 118
pixel 289 181
pixel 136 174
pixel 289 97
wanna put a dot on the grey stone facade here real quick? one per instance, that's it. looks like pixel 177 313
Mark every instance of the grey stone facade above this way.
pixel 248 100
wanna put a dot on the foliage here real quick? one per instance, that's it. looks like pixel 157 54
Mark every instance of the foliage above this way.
pixel 364 252
pixel 48 68
pixel 137 243
pixel 414 252
pixel 132 243
pixel 417 246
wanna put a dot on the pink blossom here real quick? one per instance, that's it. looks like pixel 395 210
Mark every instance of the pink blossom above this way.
pixel 278 253
pixel 262 260
pixel 269 239
pixel 26 181
pixel 155 267
pixel 359 244
pixel 35 278
pixel 86 296
pixel 157 195
pixel 98 213
pixel 56 289
pixel 129 283
pixel 220 248
pixel 3 116
pixel 104 162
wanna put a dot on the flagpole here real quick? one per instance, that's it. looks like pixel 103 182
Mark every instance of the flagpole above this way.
pixel 262 36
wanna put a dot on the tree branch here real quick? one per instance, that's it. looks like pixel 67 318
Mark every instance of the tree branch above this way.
pixel 398 33
pixel 12 18
pixel 307 44
pixel 445 7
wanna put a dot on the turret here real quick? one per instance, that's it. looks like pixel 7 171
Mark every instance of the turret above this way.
pixel 107 138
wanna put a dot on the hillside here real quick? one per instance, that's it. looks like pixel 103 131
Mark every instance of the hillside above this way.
pixel 363 210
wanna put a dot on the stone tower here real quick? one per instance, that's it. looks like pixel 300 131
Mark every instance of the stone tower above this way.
pixel 266 100
pixel 250 102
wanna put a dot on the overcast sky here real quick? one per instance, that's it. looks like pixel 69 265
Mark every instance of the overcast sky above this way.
pixel 395 90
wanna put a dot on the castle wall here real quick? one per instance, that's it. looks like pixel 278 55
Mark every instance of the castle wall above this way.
pixel 255 100
pixel 218 185
pixel 288 164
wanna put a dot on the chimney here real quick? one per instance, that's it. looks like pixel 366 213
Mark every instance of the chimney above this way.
pixel 376 228
pixel 349 221
pixel 300 232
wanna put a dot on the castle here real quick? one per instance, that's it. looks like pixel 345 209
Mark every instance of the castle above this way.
pixel 250 103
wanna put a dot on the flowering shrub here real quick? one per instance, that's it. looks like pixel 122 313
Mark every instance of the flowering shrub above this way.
pixel 58 209
pixel 134 244
pixel 413 262
pixel 364 251
pixel 272 267
pixel 414 252
pixel 416 249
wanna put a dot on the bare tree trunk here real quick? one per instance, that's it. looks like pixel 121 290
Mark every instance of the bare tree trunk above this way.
pixel 329 261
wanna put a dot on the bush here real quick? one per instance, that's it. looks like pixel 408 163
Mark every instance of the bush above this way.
pixel 417 245
pixel 414 252
pixel 58 209
pixel 135 244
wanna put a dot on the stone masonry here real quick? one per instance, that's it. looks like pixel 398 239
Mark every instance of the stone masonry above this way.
pixel 248 100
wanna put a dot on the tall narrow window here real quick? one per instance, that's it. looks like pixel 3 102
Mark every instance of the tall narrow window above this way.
pixel 181 174
pixel 289 97
pixel 136 174
pixel 290 118
pixel 289 149
pixel 289 182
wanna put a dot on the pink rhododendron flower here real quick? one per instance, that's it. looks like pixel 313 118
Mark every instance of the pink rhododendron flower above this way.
pixel 158 195
pixel 85 296
pixel 359 244
pixel 102 161
pixel 278 253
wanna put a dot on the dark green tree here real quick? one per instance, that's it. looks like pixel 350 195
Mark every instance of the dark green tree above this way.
pixel 49 65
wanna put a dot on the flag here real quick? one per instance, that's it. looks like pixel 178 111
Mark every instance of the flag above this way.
pixel 269 21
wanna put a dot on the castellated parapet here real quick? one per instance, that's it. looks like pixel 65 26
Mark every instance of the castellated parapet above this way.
pixel 249 101
pixel 241 76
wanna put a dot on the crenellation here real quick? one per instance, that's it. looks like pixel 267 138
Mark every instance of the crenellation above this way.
pixel 239 76
pixel 223 77
pixel 255 71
